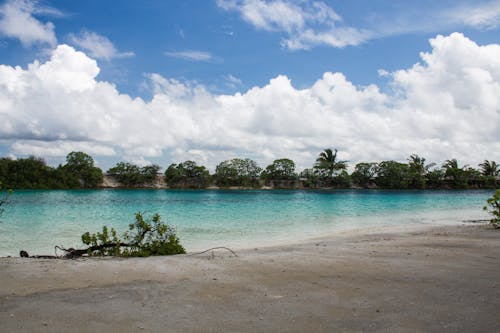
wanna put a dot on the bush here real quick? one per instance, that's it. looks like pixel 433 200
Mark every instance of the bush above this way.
pixel 493 207
pixel 146 237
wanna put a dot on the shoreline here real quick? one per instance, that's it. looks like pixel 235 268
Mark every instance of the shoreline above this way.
pixel 419 278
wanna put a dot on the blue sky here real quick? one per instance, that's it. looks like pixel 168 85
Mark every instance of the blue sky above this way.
pixel 189 64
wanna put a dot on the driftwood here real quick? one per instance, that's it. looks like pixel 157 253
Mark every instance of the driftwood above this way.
pixel 215 248
pixel 76 253
pixel 72 253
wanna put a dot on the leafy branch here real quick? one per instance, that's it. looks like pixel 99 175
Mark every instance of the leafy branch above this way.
pixel 145 237
pixel 493 207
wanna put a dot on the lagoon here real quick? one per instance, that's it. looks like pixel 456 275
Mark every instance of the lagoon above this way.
pixel 36 220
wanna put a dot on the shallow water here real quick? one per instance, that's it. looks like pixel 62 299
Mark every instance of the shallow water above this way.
pixel 37 220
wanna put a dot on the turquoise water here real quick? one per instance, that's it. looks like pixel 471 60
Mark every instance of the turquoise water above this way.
pixel 37 220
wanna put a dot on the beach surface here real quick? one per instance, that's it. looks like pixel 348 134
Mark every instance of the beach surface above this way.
pixel 387 279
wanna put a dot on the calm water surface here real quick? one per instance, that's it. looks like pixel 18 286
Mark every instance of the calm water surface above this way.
pixel 38 220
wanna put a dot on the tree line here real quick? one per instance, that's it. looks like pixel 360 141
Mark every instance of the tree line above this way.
pixel 328 171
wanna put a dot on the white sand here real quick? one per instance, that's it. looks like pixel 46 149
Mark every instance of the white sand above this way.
pixel 418 279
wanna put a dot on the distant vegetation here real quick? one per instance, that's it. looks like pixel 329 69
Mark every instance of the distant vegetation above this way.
pixel 33 173
pixel 4 198
pixel 187 175
pixel 132 175
pixel 328 171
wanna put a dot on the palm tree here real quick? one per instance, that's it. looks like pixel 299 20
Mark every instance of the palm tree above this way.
pixel 490 168
pixel 451 167
pixel 459 176
pixel 418 170
pixel 327 161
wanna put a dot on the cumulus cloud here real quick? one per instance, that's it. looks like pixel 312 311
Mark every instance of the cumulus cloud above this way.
pixel 448 105
pixel 191 55
pixel 304 24
pixel 97 46
pixel 17 20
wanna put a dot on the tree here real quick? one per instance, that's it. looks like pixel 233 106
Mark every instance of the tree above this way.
pixel 81 166
pixel 493 207
pixel 455 174
pixel 4 199
pixel 187 175
pixel 149 173
pixel 364 174
pixel 281 169
pixel 327 162
pixel 392 175
pixel 237 172
pixel 490 168
pixel 417 171
pixel 309 177
pixel 132 175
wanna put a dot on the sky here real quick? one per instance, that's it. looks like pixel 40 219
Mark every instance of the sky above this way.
pixel 167 81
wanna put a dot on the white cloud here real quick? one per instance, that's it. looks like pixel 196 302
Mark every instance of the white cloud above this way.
pixel 17 21
pixel 232 81
pixel 59 148
pixel 446 106
pixel 191 55
pixel 97 46
pixel 305 24
pixel 483 15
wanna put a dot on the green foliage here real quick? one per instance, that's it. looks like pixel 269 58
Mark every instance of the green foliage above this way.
pixel 237 172
pixel 310 178
pixel 341 180
pixel 31 173
pixel 328 165
pixel 490 168
pixel 364 174
pixel 4 198
pixel 34 173
pixel 132 175
pixel 145 237
pixel 417 171
pixel 392 175
pixel 454 174
pixel 434 178
pixel 281 169
pixel 493 207
pixel 81 166
pixel 187 175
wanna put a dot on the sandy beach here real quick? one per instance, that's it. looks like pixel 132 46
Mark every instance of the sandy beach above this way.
pixel 411 279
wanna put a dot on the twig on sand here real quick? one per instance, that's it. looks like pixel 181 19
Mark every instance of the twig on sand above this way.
pixel 214 248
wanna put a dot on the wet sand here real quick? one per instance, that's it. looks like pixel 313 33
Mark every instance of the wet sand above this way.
pixel 411 279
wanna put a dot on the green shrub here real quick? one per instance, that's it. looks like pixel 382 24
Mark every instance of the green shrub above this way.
pixel 493 207
pixel 145 237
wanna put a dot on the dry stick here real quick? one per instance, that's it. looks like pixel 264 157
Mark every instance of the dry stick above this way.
pixel 214 248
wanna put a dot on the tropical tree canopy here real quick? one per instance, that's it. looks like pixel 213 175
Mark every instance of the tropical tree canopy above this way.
pixel 237 172
pixel 130 174
pixel 187 174
pixel 417 171
pixel 327 161
pixel 490 168
pixel 81 166
pixel 281 169
pixel 364 173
